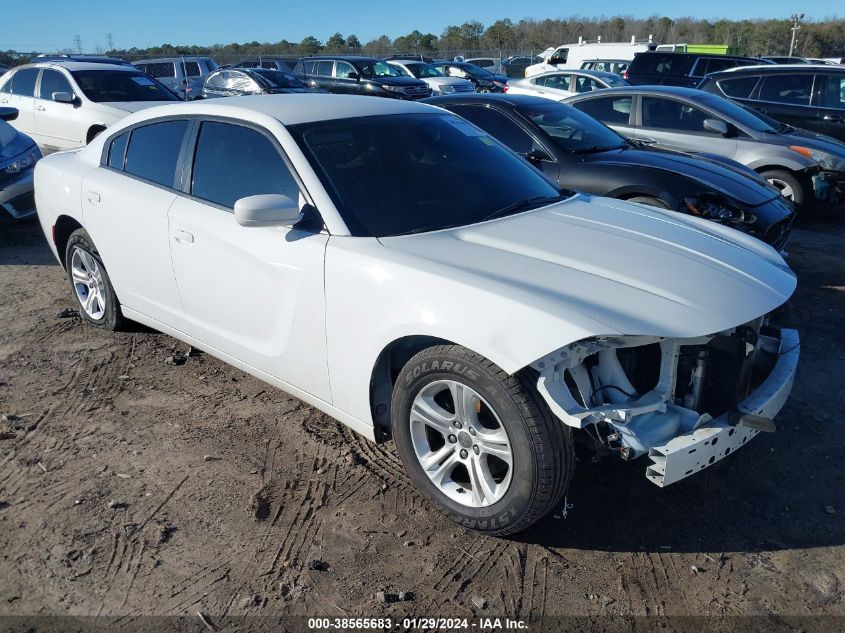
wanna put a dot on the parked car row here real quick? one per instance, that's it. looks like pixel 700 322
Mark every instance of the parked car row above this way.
pixel 395 266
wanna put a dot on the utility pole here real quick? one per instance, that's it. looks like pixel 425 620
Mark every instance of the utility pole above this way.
pixel 796 24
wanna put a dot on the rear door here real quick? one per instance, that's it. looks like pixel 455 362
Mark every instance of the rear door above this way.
pixel 323 77
pixel 254 293
pixel 19 93
pixel 679 125
pixel 832 105
pixel 59 125
pixel 125 203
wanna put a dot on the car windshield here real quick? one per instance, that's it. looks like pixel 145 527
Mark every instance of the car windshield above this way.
pixel 120 85
pixel 411 173
pixel 476 70
pixel 571 129
pixel 742 115
pixel 423 71
pixel 373 69
pixel 278 79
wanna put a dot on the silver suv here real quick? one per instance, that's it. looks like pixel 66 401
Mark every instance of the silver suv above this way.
pixel 439 83
pixel 183 75
pixel 807 168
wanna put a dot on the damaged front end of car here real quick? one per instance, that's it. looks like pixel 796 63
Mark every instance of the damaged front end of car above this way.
pixel 686 403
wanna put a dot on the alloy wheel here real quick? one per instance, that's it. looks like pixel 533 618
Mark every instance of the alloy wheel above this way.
pixel 461 443
pixel 88 283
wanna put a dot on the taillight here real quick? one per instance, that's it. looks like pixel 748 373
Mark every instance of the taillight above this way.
pixel 625 75
pixel 505 88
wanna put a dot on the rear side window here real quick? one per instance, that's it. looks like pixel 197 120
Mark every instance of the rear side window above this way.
pixel 324 68
pixel 669 64
pixel 192 69
pixel 232 162
pixel 154 151
pixel 499 126
pixel 608 110
pixel 53 81
pixel 789 89
pixel 739 88
pixel 160 70
pixel 117 151
pixel 23 82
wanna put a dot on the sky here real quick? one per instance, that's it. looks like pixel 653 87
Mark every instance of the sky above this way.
pixel 50 25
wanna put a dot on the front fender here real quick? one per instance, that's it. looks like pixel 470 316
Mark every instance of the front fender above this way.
pixel 375 296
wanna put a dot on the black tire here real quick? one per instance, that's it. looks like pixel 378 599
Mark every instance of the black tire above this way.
pixel 781 178
pixel 543 454
pixel 650 201
pixel 112 317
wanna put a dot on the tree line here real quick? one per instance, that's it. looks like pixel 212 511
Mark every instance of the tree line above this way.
pixel 821 38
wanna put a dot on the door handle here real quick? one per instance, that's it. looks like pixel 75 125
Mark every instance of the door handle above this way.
pixel 93 197
pixel 40 108
pixel 833 118
pixel 183 237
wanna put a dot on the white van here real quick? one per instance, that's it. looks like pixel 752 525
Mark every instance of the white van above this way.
pixel 572 55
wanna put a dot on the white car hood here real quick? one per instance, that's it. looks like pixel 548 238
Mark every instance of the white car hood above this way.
pixel 632 269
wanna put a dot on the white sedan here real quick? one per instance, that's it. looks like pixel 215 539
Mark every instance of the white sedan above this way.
pixel 561 84
pixel 64 104
pixel 395 267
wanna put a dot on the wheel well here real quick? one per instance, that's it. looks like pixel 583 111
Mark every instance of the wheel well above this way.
pixel 62 230
pixel 93 131
pixel 390 362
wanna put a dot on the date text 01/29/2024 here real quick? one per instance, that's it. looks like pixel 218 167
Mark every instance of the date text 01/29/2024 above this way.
pixel 416 623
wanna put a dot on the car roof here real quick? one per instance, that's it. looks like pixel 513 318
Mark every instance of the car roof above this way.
pixel 586 72
pixel 71 66
pixel 166 60
pixel 347 58
pixel 491 98
pixel 288 109
pixel 781 68
pixel 676 91
pixel 603 59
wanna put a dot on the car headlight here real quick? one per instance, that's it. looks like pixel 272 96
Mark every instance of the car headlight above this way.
pixel 822 158
pixel 447 88
pixel 27 161
pixel 718 211
pixel 399 89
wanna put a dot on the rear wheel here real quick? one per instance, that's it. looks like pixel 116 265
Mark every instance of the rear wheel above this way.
pixel 788 185
pixel 92 287
pixel 479 443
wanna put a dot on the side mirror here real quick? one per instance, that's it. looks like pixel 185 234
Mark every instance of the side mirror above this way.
pixel 354 76
pixel 537 156
pixel 8 114
pixel 63 97
pixel 716 126
pixel 267 210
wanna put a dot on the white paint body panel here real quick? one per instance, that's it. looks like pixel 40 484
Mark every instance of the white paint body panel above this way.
pixel 579 53
pixel 528 87
pixel 312 315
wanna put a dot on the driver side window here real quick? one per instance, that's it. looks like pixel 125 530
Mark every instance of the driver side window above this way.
pixel 668 114
pixel 342 70
pixel 499 126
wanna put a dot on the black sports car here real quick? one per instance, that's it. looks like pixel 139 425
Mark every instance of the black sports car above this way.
pixel 582 154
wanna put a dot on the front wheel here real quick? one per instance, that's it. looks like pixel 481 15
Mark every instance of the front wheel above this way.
pixel 479 443
pixel 92 287
pixel 788 185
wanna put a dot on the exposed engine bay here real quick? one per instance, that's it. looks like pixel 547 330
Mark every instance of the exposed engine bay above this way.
pixel 686 403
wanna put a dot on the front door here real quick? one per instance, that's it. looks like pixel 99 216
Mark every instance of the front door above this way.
pixel 832 109
pixel 59 125
pixel 678 125
pixel 254 293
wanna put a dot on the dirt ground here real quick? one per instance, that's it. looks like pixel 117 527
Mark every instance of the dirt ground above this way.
pixel 134 486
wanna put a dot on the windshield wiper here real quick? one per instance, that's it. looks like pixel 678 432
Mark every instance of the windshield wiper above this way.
pixel 597 148
pixel 523 205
